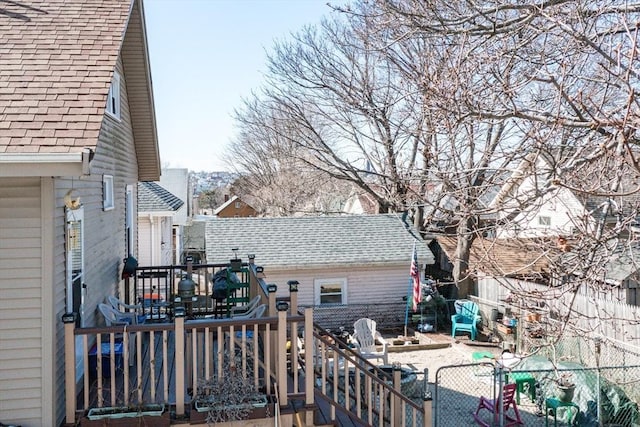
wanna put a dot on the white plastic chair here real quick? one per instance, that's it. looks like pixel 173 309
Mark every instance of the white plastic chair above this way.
pixel 127 308
pixel 243 309
pixel 113 317
pixel 252 314
pixel 365 336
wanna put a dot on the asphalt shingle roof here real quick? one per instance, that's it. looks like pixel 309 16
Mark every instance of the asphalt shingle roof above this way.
pixel 56 63
pixel 316 240
pixel 152 197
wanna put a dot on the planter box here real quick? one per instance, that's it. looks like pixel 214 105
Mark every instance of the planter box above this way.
pixel 262 409
pixel 149 415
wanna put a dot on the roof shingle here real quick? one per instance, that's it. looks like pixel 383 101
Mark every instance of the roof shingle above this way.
pixel 58 57
pixel 313 241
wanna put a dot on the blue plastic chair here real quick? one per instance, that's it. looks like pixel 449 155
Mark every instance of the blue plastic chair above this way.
pixel 465 319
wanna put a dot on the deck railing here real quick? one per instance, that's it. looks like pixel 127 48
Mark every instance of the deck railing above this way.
pixel 283 353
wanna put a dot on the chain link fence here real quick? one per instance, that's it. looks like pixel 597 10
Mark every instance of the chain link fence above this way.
pixel 458 390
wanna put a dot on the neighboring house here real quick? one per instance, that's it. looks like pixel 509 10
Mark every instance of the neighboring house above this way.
pixel 354 259
pixel 156 210
pixel 77 132
pixel 193 242
pixel 530 204
pixel 361 203
pixel 177 181
pixel 235 208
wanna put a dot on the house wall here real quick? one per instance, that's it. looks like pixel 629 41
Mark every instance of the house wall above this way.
pixel 232 211
pixel 176 181
pixel 22 329
pixel 365 285
pixel 152 232
pixel 104 232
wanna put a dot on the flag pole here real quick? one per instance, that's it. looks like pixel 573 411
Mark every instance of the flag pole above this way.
pixel 410 291
pixel 409 301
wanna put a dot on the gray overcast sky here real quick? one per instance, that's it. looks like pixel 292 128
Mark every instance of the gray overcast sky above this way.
pixel 205 56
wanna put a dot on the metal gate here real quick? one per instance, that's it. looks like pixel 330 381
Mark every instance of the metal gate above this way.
pixel 457 391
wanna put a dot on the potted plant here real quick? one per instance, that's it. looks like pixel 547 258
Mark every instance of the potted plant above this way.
pixel 233 396
pixel 143 414
pixel 566 386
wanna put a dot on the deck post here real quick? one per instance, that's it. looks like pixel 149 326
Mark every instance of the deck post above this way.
pixel 281 346
pixel 395 401
pixel 273 336
pixel 293 338
pixel 309 377
pixel 179 355
pixel 272 289
pixel 69 320
pixel 427 406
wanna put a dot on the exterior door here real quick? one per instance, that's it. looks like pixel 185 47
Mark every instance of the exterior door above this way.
pixel 76 289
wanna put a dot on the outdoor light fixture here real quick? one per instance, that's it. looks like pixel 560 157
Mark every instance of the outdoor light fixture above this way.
pixel 271 287
pixel 251 256
pixel 293 285
pixel 68 318
pixel 282 306
pixel 179 312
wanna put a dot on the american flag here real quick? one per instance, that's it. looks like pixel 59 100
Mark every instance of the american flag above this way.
pixel 415 276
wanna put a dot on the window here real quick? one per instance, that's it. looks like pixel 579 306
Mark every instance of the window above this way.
pixel 113 99
pixel 544 221
pixel 129 218
pixel 330 291
pixel 107 192
pixel 238 205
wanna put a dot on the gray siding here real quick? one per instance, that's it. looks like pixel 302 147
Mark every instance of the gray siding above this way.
pixel 21 340
pixel 104 231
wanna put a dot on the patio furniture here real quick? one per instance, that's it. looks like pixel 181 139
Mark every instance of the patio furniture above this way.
pixel 365 337
pixel 127 308
pixel 253 313
pixel 552 405
pixel 113 317
pixel 243 309
pixel 466 318
pixel 493 406
pixel 525 383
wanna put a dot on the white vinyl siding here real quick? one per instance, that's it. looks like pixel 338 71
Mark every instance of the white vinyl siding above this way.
pixel 330 291
pixel 366 285
pixel 21 340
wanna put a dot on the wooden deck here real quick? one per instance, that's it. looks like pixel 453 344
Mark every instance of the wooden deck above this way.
pixel 165 363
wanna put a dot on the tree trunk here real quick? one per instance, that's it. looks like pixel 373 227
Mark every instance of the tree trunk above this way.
pixel 461 275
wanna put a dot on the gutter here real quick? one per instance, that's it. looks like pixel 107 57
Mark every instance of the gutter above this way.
pixel 45 164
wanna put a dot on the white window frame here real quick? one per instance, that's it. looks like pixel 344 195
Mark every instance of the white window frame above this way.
pixel 238 205
pixel 113 99
pixel 317 286
pixel 108 198
pixel 129 223
pixel 544 220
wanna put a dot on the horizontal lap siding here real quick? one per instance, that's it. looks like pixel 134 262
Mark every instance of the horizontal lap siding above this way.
pixel 369 285
pixel 20 301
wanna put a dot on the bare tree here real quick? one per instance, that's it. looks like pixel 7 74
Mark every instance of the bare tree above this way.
pixel 339 108
pixel 562 77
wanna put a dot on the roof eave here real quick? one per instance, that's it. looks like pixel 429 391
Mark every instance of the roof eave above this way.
pixel 44 164
pixel 144 122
